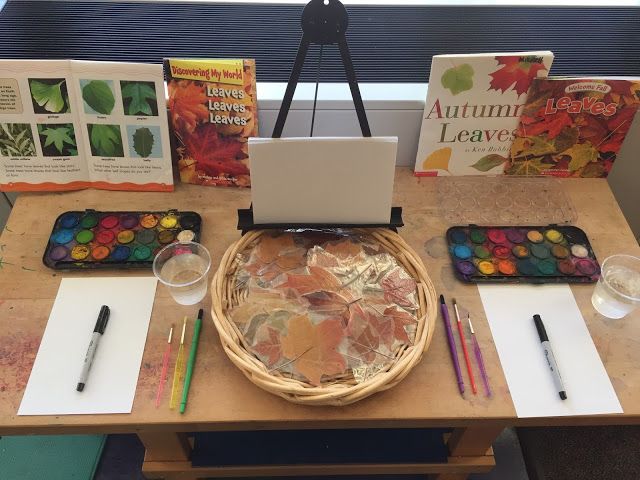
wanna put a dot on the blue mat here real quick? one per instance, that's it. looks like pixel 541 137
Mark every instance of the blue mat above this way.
pixel 51 457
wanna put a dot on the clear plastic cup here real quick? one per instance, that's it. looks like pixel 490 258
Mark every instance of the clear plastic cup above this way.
pixel 617 292
pixel 183 267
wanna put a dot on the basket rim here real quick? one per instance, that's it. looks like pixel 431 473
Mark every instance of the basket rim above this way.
pixel 335 392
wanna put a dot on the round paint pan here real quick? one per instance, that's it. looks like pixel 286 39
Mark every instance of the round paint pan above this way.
pixel 58 253
pixel 62 236
pixel 477 236
pixel 110 221
pixel 496 235
pixel 481 252
pixel 105 236
pixel 128 221
pixel 69 220
pixel 466 268
pixel 189 221
pixel 462 252
pixel 458 236
pixel 90 220
pixel 146 236
pixel 148 220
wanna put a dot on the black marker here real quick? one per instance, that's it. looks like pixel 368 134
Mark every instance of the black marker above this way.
pixel 548 355
pixel 101 324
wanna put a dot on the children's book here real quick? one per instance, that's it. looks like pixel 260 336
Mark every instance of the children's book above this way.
pixel 213 111
pixel 67 125
pixel 573 127
pixel 472 110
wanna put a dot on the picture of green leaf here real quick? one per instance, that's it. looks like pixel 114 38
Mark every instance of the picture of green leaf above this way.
pixel 49 95
pixel 143 142
pixel 488 162
pixel 97 94
pixel 57 140
pixel 139 98
pixel 458 79
pixel 16 140
pixel 105 140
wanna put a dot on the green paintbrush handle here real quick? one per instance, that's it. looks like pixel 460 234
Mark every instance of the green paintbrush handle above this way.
pixel 191 363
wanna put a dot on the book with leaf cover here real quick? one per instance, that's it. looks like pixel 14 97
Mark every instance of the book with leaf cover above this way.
pixel 213 111
pixel 573 127
pixel 67 125
pixel 472 110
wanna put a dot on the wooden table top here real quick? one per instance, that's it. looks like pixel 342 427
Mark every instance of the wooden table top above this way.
pixel 220 396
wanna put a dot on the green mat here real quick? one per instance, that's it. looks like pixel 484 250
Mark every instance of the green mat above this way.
pixel 54 457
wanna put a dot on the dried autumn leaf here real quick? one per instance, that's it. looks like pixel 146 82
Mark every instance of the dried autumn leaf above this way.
pixel 398 320
pixel 514 73
pixel 271 347
pixel 313 348
pixel 187 105
pixel 216 155
pixel 398 289
pixel 269 248
pixel 318 280
pixel 364 337
pixel 333 304
pixel 343 249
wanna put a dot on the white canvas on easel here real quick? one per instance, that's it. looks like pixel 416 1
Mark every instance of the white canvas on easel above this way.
pixel 322 180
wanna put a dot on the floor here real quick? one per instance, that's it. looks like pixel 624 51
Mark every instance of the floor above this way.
pixel 123 454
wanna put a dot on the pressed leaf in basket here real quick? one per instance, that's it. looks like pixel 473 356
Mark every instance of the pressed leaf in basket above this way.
pixel 312 348
pixel 398 289
pixel 318 280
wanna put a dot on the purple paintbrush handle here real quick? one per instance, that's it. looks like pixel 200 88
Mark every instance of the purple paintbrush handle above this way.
pixel 483 371
pixel 452 345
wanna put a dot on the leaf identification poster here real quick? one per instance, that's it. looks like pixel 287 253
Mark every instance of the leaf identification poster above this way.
pixel 67 125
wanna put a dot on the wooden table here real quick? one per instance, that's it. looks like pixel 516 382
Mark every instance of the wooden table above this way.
pixel 222 399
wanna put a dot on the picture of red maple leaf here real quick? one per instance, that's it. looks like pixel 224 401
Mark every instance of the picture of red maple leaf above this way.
pixel 215 155
pixel 514 74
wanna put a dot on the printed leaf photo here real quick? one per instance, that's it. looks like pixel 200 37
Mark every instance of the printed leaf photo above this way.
pixel 49 95
pixel 98 96
pixel 139 98
pixel 57 140
pixel 458 79
pixel 514 74
pixel 16 140
pixel 143 141
pixel 105 140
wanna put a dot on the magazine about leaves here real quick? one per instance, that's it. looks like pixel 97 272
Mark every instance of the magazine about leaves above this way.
pixel 573 127
pixel 212 112
pixel 67 125
pixel 472 110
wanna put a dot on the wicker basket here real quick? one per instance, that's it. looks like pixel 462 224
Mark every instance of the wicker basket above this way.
pixel 339 392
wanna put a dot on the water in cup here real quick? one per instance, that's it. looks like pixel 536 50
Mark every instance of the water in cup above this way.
pixel 618 290
pixel 186 269
pixel 183 268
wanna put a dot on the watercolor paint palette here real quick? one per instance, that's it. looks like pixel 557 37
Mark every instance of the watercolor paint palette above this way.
pixel 538 254
pixel 90 239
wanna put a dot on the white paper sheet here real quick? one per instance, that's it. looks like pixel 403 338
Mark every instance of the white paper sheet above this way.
pixel 509 310
pixel 322 180
pixel 111 385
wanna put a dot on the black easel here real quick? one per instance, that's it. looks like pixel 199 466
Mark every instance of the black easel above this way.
pixel 324 22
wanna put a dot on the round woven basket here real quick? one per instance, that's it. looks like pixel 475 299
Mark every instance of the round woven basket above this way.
pixel 345 390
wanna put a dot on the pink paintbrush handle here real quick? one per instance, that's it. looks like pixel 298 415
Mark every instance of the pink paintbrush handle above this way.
pixel 163 375
pixel 483 371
